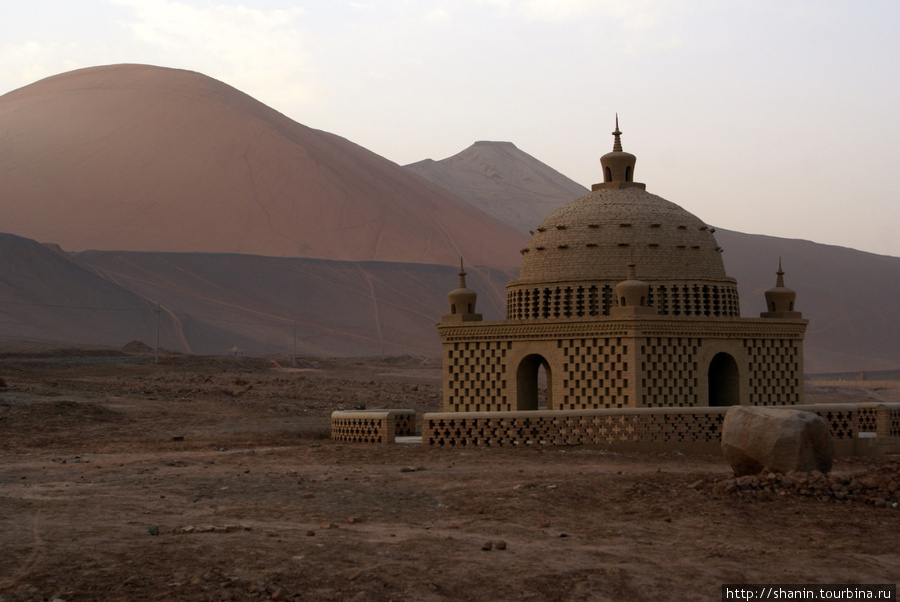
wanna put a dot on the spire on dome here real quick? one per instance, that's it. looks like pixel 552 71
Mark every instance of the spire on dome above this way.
pixel 617 144
pixel 779 282
pixel 618 166
pixel 462 274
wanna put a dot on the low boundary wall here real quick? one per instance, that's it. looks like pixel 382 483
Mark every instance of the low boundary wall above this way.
pixel 858 429
pixel 372 426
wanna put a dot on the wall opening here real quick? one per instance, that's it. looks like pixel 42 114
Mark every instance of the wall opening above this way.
pixel 724 381
pixel 534 384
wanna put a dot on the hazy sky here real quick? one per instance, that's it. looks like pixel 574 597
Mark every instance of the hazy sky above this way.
pixel 770 117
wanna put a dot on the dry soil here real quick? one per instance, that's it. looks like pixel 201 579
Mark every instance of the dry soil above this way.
pixel 214 479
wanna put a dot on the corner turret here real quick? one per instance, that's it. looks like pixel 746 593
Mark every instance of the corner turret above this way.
pixel 462 301
pixel 632 295
pixel 780 299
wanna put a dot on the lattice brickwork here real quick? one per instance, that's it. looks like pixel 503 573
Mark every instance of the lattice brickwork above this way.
pixel 573 428
pixel 372 426
pixel 670 372
pixel 475 376
pixel 643 425
pixel 405 423
pixel 359 428
pixel 776 373
pixel 592 300
pixel 595 374
pixel 868 418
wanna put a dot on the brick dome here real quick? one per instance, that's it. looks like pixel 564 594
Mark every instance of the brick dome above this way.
pixel 594 238
pixel 581 251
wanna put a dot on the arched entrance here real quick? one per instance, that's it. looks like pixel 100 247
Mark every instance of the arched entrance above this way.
pixel 724 381
pixel 531 392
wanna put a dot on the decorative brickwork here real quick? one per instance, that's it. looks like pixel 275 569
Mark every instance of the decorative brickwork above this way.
pixel 670 372
pixel 581 300
pixel 372 426
pixel 475 376
pixel 663 428
pixel 775 371
pixel 610 362
pixel 595 374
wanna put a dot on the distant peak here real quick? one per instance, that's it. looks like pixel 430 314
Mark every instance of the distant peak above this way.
pixel 495 143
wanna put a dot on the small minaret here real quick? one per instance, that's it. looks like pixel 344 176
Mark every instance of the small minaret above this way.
pixel 632 295
pixel 462 301
pixel 780 299
pixel 618 166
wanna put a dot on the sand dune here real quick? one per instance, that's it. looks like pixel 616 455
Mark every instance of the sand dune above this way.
pixel 133 157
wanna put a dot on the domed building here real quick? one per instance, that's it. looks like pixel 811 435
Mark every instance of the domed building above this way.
pixel 622 301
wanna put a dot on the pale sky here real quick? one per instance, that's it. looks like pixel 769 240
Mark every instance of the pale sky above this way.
pixel 776 117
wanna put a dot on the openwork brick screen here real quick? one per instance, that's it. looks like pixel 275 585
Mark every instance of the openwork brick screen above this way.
pixel 372 426
pixel 649 426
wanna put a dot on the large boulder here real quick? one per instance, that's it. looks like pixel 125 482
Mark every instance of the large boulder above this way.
pixel 782 440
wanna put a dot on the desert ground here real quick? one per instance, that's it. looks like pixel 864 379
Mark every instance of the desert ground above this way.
pixel 215 479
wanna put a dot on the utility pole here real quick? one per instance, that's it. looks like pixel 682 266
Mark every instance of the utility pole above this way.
pixel 294 349
pixel 157 332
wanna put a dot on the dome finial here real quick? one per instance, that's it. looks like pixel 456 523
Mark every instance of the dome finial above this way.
pixel 462 274
pixel 617 144
pixel 779 282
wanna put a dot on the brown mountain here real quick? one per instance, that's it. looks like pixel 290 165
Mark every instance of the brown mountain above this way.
pixel 213 302
pixel 133 157
pixel 504 181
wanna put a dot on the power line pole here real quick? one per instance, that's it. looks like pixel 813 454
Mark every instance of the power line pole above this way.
pixel 294 350
pixel 157 332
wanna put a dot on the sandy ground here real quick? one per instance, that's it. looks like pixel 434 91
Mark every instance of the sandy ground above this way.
pixel 214 479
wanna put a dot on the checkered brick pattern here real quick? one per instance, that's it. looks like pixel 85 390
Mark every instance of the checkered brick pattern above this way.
pixel 595 374
pixel 475 376
pixel 776 371
pixel 669 372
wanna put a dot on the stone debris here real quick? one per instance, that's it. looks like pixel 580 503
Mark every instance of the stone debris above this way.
pixel 213 529
pixel 487 546
pixel 500 544
pixel 875 487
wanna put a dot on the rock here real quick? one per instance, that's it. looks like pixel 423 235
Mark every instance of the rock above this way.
pixel 487 546
pixel 500 544
pixel 153 530
pixel 782 440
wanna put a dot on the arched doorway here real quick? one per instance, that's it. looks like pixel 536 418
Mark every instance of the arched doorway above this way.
pixel 533 385
pixel 724 381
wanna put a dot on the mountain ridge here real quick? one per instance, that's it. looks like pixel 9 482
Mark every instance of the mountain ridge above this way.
pixel 503 181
